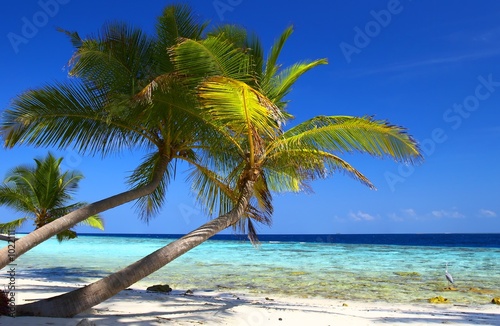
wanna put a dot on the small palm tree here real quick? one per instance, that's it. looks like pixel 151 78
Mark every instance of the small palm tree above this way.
pixel 43 192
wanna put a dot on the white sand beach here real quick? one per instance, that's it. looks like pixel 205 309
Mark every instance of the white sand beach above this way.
pixel 139 307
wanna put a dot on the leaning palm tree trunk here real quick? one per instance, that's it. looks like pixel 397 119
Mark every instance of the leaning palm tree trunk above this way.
pixel 77 301
pixel 63 223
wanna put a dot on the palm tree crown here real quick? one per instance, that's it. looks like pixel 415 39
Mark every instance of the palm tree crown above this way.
pixel 43 192
pixel 252 110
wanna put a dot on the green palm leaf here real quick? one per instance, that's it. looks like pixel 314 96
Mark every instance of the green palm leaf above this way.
pixel 280 85
pixel 272 67
pixel 66 235
pixel 264 199
pixel 94 221
pixel 260 210
pixel 256 53
pixel 12 225
pixel 17 191
pixel 347 134
pixel 74 37
pixel 297 167
pixel 239 107
pixel 148 206
pixel 70 113
pixel 117 59
pixel 178 21
pixel 248 44
pixel 213 56
pixel 234 34
pixel 215 193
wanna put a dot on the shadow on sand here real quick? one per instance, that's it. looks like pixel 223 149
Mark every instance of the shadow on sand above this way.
pixel 211 308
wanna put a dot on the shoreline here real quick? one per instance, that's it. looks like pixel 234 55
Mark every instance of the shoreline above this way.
pixel 136 306
pixel 332 271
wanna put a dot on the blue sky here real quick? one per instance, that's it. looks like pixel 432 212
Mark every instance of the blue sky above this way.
pixel 429 66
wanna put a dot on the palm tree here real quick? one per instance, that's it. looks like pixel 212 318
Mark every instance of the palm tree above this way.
pixel 109 108
pixel 263 159
pixel 43 192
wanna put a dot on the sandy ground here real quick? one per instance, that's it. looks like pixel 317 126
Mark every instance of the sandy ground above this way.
pixel 139 307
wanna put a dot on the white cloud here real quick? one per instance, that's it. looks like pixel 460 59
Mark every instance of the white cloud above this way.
pixel 438 213
pixel 450 214
pixel 361 216
pixel 487 213
pixel 409 212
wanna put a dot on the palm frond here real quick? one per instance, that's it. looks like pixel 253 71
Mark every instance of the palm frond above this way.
pixel 148 206
pixel 286 179
pixel 64 114
pixel 69 180
pixel 172 110
pixel 94 221
pixel 17 195
pixel 164 83
pixel 118 59
pixel 239 107
pixel 250 45
pixel 263 196
pixel 176 23
pixel 280 85
pixel 66 235
pixel 46 179
pixel 246 226
pixel 256 53
pixel 74 37
pixel 234 34
pixel 12 225
pixel 271 67
pixel 215 193
pixel 347 134
pixel 246 223
pixel 99 69
pixel 297 167
pixel 213 56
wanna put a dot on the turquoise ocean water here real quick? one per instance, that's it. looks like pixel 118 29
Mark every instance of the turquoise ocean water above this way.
pixel 403 268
